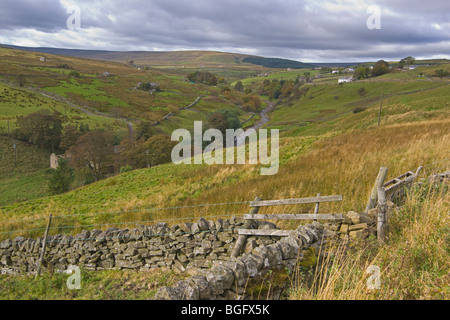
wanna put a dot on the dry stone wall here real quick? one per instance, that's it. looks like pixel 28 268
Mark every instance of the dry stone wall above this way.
pixel 229 279
pixel 201 249
pixel 180 247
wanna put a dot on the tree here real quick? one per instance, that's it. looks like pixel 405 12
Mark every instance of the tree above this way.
pixel 74 74
pixel 61 178
pixel 144 130
pixel 361 72
pixel 21 80
pixel 158 150
pixel 362 91
pixel 84 127
pixel 223 119
pixel 381 67
pixel 217 120
pixel 203 77
pixel 69 137
pixel 41 128
pixel 238 86
pixel 252 103
pixel 409 60
pixel 94 150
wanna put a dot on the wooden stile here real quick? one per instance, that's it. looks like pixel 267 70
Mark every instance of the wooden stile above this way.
pixel 295 201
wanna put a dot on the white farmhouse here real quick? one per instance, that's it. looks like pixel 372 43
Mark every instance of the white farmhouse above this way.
pixel 345 79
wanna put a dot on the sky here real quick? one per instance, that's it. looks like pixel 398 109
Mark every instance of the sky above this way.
pixel 308 31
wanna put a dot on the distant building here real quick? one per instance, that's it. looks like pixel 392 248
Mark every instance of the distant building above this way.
pixel 345 79
pixel 54 160
pixel 43 59
pixel 349 70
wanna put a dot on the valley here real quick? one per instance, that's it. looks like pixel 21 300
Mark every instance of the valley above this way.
pixel 334 137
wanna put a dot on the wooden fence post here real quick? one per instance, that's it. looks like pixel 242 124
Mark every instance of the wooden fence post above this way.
pixel 316 209
pixel 44 245
pixel 382 224
pixel 242 238
pixel 374 194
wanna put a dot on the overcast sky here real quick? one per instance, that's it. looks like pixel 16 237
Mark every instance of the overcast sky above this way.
pixel 309 31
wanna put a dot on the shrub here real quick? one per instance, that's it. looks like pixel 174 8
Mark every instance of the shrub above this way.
pixel 358 109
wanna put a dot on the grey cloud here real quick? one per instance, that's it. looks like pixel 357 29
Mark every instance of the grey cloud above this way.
pixel 285 28
pixel 43 15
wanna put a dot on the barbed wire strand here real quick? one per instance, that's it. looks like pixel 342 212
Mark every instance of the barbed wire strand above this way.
pixel 127 211
pixel 119 223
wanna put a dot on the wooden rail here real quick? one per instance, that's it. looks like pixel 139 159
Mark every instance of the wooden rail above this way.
pixel 258 203
pixel 295 201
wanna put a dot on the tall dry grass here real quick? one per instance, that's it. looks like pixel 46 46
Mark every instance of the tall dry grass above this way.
pixel 414 264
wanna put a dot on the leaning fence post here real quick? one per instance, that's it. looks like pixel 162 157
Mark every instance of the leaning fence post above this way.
pixel 242 238
pixel 374 194
pixel 44 245
pixel 382 224
pixel 316 209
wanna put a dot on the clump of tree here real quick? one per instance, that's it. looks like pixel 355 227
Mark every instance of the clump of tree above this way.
pixel 381 67
pixel 406 62
pixel 64 66
pixel 74 74
pixel 94 150
pixel 21 80
pixel 239 86
pixel 223 119
pixel 41 128
pixel 361 72
pixel 202 77
pixel 284 89
pixel 144 130
pixel 441 73
pixel 252 103
pixel 148 86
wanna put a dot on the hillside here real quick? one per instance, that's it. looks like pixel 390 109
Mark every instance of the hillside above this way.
pixel 174 59
pixel 107 89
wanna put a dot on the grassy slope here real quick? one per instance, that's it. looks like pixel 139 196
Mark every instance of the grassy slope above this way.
pixel 28 179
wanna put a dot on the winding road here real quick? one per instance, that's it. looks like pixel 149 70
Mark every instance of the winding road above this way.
pixel 240 139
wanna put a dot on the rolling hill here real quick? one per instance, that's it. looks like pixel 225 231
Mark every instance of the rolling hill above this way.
pixel 174 59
